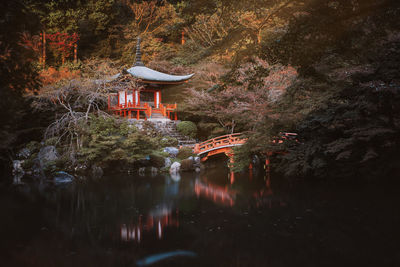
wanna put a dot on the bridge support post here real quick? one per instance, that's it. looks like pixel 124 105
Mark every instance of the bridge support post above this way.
pixel 251 172
pixel 230 154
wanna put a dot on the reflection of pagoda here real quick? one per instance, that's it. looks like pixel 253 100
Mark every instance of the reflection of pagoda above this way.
pixel 157 220
pixel 144 101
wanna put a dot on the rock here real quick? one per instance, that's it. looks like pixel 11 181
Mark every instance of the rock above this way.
pixel 190 158
pixel 175 167
pixel 63 178
pixel 24 153
pixel 17 167
pixel 172 151
pixel 47 154
pixel 197 169
pixel 97 172
pixel 167 163
pixel 197 160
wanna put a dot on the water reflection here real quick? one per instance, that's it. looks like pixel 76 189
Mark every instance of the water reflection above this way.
pixel 215 193
pixel 133 208
pixel 155 221
pixel 120 219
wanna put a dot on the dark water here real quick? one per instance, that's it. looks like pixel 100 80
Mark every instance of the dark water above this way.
pixel 252 220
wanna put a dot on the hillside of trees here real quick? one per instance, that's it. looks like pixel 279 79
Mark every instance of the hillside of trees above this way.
pixel 327 70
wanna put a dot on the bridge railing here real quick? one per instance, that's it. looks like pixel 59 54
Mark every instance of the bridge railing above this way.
pixel 220 141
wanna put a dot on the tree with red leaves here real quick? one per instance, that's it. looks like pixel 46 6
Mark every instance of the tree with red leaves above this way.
pixel 63 44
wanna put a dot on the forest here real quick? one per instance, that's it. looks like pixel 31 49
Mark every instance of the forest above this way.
pixel 326 70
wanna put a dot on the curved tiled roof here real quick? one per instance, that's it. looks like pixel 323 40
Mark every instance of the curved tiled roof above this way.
pixel 147 74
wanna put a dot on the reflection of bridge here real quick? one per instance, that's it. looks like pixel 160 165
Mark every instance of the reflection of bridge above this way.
pixel 219 145
pixel 217 194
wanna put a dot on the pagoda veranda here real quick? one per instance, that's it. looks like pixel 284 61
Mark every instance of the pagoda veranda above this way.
pixel 136 95
pixel 137 92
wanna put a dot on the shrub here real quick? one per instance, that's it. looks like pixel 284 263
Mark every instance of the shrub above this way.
pixel 184 153
pixel 157 161
pixel 168 141
pixel 33 146
pixel 187 128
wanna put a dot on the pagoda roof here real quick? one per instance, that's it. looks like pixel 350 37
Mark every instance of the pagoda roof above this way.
pixel 140 71
pixel 150 75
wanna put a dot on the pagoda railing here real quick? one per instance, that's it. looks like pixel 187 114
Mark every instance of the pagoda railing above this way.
pixel 125 109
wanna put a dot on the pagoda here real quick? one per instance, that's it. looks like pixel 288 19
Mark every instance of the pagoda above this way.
pixel 143 99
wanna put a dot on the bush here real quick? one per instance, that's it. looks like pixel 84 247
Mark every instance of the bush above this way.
pixel 110 140
pixel 168 141
pixel 33 146
pixel 187 128
pixel 184 153
pixel 157 161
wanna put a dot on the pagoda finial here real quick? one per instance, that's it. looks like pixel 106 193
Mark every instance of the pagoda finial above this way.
pixel 138 54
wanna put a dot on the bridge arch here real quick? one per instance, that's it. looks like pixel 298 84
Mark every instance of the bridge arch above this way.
pixel 219 145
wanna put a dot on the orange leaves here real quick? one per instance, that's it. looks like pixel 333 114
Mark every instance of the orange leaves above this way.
pixel 51 75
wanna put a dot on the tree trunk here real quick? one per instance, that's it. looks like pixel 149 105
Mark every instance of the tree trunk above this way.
pixel 259 37
pixel 44 50
pixel 183 38
pixel 76 52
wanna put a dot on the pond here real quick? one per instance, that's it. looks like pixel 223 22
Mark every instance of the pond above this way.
pixel 206 219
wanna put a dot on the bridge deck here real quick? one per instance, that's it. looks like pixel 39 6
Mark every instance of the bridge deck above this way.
pixel 225 141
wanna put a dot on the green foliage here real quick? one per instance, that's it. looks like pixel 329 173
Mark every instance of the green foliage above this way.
pixel 242 157
pixel 166 141
pixel 33 146
pixel 184 153
pixel 109 140
pixel 51 141
pixel 210 129
pixel 187 128
pixel 157 161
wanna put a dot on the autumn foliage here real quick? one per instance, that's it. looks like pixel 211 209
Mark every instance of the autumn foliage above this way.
pixel 62 43
pixel 247 101
pixel 52 75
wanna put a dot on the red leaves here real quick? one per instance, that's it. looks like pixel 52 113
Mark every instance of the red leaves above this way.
pixel 63 42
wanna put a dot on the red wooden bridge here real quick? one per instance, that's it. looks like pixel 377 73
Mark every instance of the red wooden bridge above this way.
pixel 218 145
pixel 225 143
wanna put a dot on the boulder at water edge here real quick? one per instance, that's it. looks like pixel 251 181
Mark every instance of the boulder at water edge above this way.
pixel 175 167
pixel 167 163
